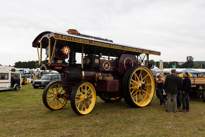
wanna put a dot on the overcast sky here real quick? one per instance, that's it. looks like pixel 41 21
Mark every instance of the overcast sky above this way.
pixel 176 28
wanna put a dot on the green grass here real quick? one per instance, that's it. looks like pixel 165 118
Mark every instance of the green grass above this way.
pixel 22 113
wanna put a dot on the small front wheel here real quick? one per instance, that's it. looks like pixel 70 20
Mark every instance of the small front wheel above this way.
pixel 53 96
pixel 83 98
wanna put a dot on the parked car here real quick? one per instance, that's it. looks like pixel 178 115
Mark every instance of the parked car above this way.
pixel 46 79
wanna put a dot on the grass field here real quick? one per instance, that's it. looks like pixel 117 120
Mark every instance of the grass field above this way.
pixel 22 113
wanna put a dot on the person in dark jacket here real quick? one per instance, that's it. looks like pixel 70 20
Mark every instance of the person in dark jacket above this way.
pixel 171 87
pixel 186 89
pixel 179 101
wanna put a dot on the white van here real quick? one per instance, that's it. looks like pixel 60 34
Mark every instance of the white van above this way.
pixel 10 78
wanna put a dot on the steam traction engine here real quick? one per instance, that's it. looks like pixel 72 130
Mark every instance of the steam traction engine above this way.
pixel 111 71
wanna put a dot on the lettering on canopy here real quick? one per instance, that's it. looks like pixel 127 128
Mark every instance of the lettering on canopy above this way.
pixel 102 44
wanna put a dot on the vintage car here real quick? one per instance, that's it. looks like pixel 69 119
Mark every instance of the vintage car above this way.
pixel 45 80
pixel 110 70
pixel 10 78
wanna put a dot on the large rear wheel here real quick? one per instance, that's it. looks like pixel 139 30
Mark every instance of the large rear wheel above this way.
pixel 53 96
pixel 139 87
pixel 83 98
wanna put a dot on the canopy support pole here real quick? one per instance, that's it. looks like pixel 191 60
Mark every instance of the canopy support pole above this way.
pixel 82 56
pixel 38 56
pixel 49 52
pixel 40 53
pixel 148 60
pixel 54 47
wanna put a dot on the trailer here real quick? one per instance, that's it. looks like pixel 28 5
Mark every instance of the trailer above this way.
pixel 197 88
pixel 10 78
pixel 107 69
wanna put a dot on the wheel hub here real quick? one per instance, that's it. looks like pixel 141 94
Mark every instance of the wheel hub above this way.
pixel 55 95
pixel 84 98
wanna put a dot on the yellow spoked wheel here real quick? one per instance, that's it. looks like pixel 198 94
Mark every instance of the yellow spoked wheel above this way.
pixel 53 96
pixel 139 87
pixel 83 98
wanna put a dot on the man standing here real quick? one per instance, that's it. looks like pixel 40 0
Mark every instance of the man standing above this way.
pixel 179 101
pixel 171 87
pixel 186 89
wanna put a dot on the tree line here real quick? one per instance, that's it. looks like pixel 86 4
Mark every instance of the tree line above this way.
pixel 26 64
pixel 190 63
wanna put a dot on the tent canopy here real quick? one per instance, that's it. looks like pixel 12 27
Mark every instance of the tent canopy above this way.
pixel 190 71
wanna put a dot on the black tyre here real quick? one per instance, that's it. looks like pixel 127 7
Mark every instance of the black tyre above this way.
pixel 53 96
pixel 83 98
pixel 17 87
pixel 126 76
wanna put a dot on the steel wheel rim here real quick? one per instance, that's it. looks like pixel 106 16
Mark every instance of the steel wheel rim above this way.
pixel 85 98
pixel 52 96
pixel 141 86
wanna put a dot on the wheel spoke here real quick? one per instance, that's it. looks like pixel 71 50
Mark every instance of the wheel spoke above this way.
pixel 146 92
pixel 60 101
pixel 83 106
pixel 145 77
pixel 136 77
pixel 88 103
pixel 133 87
pixel 77 101
pixel 90 95
pixel 135 93
pixel 51 101
pixel 50 97
pixel 87 91
pixel 77 97
pixel 142 97
pixel 60 91
pixel 134 81
pixel 148 84
pixel 137 98
pixel 140 75
pixel 78 104
pixel 56 87
pixel 50 92
pixel 80 92
pixel 59 87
